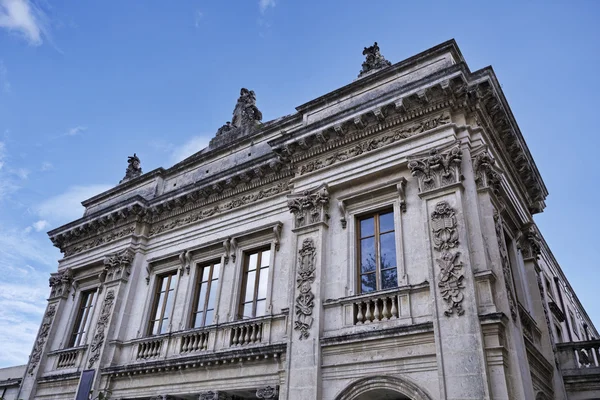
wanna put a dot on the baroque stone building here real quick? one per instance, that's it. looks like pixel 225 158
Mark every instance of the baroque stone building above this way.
pixel 377 244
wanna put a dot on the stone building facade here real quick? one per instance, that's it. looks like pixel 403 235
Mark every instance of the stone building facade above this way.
pixel 378 243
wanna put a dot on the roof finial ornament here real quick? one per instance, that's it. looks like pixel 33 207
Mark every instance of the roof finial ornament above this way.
pixel 245 114
pixel 375 61
pixel 133 168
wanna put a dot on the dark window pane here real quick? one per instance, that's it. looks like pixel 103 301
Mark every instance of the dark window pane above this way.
pixel 367 255
pixel 367 227
pixel 386 222
pixel 388 250
pixel 389 278
pixel 368 283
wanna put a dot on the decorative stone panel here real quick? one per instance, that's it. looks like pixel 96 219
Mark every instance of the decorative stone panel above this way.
pixel 267 392
pixel 437 168
pixel 117 266
pixel 505 262
pixel 305 299
pixel 38 347
pixel 309 207
pixel 98 340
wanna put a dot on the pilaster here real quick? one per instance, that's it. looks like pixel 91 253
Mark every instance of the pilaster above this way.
pixel 310 211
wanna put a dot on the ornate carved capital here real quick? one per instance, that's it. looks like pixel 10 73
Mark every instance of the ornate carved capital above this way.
pixel 38 346
pixel 309 207
pixel 486 175
pixel 305 299
pixel 60 282
pixel 98 340
pixel 445 237
pixel 437 169
pixel 268 392
pixel 117 266
pixel 531 243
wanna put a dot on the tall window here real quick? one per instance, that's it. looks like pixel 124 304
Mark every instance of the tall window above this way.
pixel 84 316
pixel 205 293
pixel 377 252
pixel 254 285
pixel 559 338
pixel 163 303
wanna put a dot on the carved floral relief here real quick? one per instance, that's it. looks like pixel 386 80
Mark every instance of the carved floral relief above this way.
pixel 60 283
pixel 450 277
pixel 40 341
pixel 98 340
pixel 305 299
pixel 504 260
pixel 309 207
pixel 117 266
pixel 267 392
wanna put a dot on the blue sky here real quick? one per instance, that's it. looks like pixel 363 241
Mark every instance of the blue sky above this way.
pixel 85 84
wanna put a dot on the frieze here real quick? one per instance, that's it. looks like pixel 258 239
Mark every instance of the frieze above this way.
pixel 376 143
pixel 305 299
pixel 98 340
pixel 40 341
pixel 437 169
pixel 505 262
pixel 310 206
pixel 69 251
pixel 60 283
pixel 450 278
pixel 219 208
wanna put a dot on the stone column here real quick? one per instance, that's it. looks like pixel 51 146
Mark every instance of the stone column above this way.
pixel 60 284
pixel 304 350
pixel 458 336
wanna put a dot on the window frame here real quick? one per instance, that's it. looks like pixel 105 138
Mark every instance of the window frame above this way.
pixel 386 209
pixel 197 291
pixel 246 254
pixel 83 311
pixel 156 298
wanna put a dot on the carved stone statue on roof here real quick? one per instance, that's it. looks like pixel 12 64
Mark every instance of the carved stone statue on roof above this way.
pixel 375 61
pixel 246 117
pixel 134 168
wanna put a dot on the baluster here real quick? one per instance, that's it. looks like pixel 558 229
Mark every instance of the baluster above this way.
pixel 360 317
pixel 368 314
pixel 394 307
pixel 185 342
pixel 247 335
pixel 204 341
pixel 252 333
pixel 386 310
pixel 259 337
pixel 377 316
pixel 235 336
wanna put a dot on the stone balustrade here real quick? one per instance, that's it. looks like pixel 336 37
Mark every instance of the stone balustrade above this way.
pixel 149 349
pixel 193 342
pixel 579 355
pixel 245 334
pixel 376 308
pixel 66 358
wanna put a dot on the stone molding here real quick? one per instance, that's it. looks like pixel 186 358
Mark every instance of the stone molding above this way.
pixel 305 299
pixel 60 283
pixel 437 168
pixel 40 341
pixel 445 238
pixel 310 206
pixel 401 385
pixel 98 340
pixel 368 145
pixel 505 263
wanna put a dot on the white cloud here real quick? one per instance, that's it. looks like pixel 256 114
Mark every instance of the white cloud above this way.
pixel 66 206
pixel 264 4
pixel 22 173
pixel 76 130
pixel 190 147
pixel 24 18
pixel 46 166
pixel 40 225
pixel 4 83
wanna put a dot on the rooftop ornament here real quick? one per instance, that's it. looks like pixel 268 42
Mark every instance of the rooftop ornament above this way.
pixel 245 113
pixel 374 62
pixel 133 168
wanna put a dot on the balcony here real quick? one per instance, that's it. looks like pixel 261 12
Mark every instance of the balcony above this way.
pixel 580 367
pixel 65 360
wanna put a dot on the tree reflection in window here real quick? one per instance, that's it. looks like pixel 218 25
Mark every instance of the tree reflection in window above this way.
pixel 377 252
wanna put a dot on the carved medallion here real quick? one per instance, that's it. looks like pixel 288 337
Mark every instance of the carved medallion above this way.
pixel 268 392
pixel 305 299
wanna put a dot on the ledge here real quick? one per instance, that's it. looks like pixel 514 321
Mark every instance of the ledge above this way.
pixel 425 327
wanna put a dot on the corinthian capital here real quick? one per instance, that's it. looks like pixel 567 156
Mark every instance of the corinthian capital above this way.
pixel 310 207
pixel 486 173
pixel 117 266
pixel 437 168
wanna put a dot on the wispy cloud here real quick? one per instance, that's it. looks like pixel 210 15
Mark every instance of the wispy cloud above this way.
pixel 24 18
pixel 22 173
pixel 192 146
pixel 4 82
pixel 40 225
pixel 66 206
pixel 46 166
pixel 197 17
pixel 76 130
pixel 263 5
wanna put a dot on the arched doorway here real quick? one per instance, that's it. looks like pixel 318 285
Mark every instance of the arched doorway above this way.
pixel 383 388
